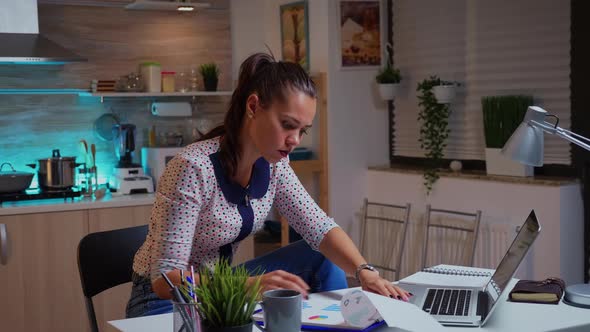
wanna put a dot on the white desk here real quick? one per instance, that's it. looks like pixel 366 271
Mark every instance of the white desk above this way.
pixel 508 316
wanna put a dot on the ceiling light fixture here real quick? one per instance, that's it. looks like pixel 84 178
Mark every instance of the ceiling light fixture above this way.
pixel 185 8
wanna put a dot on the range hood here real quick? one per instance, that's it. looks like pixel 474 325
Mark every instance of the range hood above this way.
pixel 32 48
pixel 20 40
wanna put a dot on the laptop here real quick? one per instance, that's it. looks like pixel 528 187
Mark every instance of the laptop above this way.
pixel 472 306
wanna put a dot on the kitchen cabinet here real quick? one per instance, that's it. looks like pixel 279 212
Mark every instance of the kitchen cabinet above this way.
pixel 39 276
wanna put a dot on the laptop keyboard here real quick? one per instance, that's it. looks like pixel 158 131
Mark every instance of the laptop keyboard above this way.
pixel 452 302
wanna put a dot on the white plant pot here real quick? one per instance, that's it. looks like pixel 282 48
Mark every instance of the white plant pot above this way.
pixel 497 164
pixel 444 94
pixel 388 91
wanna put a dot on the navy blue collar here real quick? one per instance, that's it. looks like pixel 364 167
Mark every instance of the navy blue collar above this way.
pixel 235 193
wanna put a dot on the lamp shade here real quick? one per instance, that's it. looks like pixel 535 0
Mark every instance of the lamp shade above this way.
pixel 526 145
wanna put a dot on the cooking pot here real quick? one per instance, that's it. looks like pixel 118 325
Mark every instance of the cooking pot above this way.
pixel 13 181
pixel 57 172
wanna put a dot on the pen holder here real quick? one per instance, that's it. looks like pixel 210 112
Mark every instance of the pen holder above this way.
pixel 185 317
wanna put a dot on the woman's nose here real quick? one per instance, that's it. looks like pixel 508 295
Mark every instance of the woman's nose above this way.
pixel 293 140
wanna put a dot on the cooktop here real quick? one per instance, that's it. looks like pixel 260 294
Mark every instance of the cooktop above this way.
pixel 37 193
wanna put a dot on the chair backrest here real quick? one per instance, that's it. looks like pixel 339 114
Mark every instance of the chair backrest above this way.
pixel 105 260
pixel 450 237
pixel 383 236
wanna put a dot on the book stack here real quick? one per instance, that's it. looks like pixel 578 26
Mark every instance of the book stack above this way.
pixel 103 85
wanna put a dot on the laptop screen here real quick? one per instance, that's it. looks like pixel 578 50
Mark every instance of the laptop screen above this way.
pixel 511 260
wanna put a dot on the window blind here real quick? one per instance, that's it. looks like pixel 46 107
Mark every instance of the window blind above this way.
pixel 492 48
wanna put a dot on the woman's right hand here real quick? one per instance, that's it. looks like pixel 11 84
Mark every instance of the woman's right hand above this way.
pixel 282 279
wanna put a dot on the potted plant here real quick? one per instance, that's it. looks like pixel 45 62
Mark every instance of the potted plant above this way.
pixel 434 118
pixel 501 116
pixel 388 82
pixel 210 73
pixel 445 91
pixel 226 300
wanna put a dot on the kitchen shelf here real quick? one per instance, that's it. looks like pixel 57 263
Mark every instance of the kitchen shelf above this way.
pixel 160 94
pixel 193 94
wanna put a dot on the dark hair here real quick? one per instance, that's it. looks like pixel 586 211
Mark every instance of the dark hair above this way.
pixel 260 73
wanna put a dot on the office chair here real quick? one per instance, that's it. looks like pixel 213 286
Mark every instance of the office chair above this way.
pixel 383 236
pixel 450 237
pixel 105 260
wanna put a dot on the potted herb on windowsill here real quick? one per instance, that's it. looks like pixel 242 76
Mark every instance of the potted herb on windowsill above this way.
pixel 388 82
pixel 501 116
pixel 434 118
pixel 445 91
pixel 210 73
pixel 227 301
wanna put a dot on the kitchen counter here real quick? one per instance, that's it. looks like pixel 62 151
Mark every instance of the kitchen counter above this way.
pixel 79 203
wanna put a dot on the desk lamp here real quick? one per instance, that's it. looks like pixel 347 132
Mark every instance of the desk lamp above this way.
pixel 526 146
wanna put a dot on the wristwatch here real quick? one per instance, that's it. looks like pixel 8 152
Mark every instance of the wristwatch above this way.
pixel 363 267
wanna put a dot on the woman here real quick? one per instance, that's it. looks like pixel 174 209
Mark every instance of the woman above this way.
pixel 219 190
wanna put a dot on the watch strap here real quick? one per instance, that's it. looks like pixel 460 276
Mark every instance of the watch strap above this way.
pixel 361 267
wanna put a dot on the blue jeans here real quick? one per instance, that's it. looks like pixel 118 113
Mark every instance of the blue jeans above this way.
pixel 297 258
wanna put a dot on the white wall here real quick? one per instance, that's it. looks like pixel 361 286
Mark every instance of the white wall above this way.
pixel 18 16
pixel 357 121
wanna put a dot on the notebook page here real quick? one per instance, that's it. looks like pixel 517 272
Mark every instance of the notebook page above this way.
pixel 450 275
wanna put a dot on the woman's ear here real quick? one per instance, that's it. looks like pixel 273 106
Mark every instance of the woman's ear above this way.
pixel 251 105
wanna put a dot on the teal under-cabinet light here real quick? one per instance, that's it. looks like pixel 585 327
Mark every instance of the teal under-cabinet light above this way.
pixel 36 63
pixel 81 92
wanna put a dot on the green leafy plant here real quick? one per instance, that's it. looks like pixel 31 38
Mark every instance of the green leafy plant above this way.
pixel 389 75
pixel 434 131
pixel 210 73
pixel 209 70
pixel 225 297
pixel 501 116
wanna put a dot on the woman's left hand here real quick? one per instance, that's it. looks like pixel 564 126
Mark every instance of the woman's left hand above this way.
pixel 371 281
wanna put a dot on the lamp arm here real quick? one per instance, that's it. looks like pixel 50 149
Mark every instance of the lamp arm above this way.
pixel 565 134
pixel 578 136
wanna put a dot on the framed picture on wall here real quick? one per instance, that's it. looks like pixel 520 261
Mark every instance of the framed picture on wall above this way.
pixel 360 35
pixel 295 33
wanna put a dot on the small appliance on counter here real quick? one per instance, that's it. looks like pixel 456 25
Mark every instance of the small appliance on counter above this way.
pixel 154 160
pixel 127 178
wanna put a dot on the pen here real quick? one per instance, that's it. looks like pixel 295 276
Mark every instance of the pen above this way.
pixel 178 298
pixel 167 280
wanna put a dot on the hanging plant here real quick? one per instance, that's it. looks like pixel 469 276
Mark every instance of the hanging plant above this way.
pixel 434 129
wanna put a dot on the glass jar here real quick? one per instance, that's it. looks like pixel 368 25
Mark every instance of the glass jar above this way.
pixel 182 82
pixel 168 81
pixel 151 74
pixel 194 79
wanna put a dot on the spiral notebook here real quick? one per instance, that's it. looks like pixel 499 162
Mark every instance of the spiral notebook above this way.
pixel 446 275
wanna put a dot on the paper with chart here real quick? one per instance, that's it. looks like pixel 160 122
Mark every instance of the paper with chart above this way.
pixel 322 313
pixel 329 314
